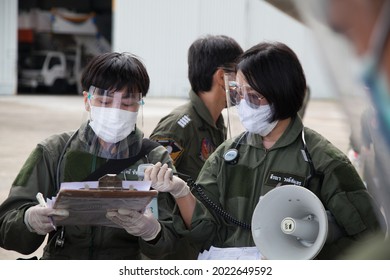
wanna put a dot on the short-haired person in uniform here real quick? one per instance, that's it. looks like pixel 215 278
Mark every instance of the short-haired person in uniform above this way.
pixel 114 85
pixel 269 90
pixel 191 132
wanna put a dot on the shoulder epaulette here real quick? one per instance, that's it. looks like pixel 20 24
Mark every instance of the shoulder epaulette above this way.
pixel 184 121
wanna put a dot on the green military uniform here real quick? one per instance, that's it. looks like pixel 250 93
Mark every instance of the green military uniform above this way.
pixel 374 247
pixel 81 242
pixel 237 188
pixel 190 135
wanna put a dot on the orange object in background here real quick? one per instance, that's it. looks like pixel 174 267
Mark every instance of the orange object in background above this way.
pixel 25 35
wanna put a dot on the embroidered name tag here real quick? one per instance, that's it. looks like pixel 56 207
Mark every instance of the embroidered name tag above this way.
pixel 275 178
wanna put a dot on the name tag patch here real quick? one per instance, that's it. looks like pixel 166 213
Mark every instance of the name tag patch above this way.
pixel 276 178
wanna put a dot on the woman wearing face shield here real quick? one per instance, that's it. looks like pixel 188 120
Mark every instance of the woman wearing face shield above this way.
pixel 268 92
pixel 114 86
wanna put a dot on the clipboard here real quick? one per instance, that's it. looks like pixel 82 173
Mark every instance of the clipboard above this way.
pixel 88 202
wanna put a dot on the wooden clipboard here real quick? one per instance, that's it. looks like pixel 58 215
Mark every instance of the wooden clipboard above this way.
pixel 89 206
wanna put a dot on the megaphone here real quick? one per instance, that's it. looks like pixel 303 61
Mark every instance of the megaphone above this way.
pixel 290 222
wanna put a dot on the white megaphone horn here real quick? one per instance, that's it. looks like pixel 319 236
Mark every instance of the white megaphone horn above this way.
pixel 290 222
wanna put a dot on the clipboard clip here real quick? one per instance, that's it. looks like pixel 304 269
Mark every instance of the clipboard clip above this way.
pixel 110 182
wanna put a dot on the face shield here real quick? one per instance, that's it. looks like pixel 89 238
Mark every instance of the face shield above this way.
pixel 233 121
pixel 253 116
pixel 113 116
pixel 354 38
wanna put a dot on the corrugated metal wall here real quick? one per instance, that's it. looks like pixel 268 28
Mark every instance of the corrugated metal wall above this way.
pixel 8 46
pixel 161 31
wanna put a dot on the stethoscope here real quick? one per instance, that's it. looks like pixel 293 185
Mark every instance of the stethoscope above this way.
pixel 231 156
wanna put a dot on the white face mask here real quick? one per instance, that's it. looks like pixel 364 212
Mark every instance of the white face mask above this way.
pixel 111 124
pixel 256 120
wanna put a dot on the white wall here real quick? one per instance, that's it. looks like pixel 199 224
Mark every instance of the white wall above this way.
pixel 160 32
pixel 8 46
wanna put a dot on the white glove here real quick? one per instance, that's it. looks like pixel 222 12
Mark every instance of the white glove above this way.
pixel 135 223
pixel 38 219
pixel 163 180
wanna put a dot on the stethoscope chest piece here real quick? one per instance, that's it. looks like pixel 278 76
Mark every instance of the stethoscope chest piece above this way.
pixel 231 156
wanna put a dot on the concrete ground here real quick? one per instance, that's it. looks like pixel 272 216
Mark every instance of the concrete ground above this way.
pixel 27 119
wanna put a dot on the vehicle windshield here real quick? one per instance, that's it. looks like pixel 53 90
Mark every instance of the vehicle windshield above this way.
pixel 34 61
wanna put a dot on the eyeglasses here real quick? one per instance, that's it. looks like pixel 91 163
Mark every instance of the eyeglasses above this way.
pixel 110 98
pixel 238 92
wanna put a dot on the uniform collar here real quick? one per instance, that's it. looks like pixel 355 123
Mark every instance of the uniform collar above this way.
pixel 291 133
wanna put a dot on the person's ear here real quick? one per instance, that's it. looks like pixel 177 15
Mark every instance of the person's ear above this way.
pixel 219 77
pixel 86 103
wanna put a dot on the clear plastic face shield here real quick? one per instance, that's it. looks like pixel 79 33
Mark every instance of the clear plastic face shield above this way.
pixel 113 118
pixel 354 39
pixel 234 125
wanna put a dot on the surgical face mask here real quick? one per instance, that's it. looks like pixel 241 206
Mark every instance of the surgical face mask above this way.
pixel 256 120
pixel 111 124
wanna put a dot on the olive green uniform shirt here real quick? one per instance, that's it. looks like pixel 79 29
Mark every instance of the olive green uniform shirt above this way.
pixel 190 135
pixel 238 188
pixel 81 242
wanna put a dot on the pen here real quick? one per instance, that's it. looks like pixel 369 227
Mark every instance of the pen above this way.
pixel 42 202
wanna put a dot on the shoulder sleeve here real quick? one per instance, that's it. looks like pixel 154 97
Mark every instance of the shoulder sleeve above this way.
pixel 174 132
pixel 345 196
pixel 36 175
pixel 349 201
pixel 29 181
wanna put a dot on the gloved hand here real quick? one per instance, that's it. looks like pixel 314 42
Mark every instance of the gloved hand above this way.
pixel 38 219
pixel 163 181
pixel 135 223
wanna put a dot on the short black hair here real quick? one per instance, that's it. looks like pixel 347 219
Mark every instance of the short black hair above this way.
pixel 206 55
pixel 116 71
pixel 274 70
